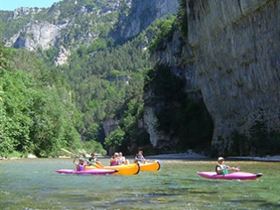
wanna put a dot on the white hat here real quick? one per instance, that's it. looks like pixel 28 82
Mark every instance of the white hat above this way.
pixel 221 159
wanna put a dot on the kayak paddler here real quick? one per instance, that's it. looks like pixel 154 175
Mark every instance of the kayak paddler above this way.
pixel 222 169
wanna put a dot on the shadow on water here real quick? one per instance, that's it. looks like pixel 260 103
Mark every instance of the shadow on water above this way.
pixel 151 195
pixel 246 201
pixel 78 198
pixel 263 204
pixel 184 191
pixel 126 202
pixel 144 201
pixel 203 192
pixel 269 205
pixel 206 181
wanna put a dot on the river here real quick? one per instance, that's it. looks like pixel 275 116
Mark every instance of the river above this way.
pixel 34 184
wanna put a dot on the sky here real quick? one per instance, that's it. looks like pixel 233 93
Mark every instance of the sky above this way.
pixel 13 4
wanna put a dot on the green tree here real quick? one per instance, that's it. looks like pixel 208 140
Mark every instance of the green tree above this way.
pixel 36 111
pixel 115 138
pixel 182 18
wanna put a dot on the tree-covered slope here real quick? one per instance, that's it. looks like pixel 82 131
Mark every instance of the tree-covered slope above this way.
pixel 87 86
pixel 37 113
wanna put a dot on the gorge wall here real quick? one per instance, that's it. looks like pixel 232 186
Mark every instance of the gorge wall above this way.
pixel 236 49
pixel 232 57
pixel 141 15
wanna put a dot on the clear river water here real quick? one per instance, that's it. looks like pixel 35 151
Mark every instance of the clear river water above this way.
pixel 34 184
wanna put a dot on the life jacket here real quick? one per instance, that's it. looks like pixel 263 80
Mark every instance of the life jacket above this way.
pixel 114 163
pixel 80 167
pixel 223 169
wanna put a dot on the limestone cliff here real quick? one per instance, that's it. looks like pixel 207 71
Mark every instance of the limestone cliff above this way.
pixel 63 27
pixel 234 62
pixel 141 15
pixel 36 35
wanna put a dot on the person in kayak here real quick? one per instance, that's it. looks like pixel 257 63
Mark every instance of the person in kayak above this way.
pixel 222 169
pixel 140 157
pixel 114 159
pixel 93 160
pixel 80 165
pixel 122 159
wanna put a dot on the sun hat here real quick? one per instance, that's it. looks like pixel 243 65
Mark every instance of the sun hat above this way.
pixel 221 159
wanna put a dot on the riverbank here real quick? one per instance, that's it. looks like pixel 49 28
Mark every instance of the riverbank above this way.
pixel 275 158
pixel 196 156
pixel 18 156
pixel 190 155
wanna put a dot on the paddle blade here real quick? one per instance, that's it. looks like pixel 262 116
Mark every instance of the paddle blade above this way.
pixel 99 165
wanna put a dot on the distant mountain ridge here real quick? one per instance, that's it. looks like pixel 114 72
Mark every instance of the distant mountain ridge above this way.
pixel 70 23
pixel 64 25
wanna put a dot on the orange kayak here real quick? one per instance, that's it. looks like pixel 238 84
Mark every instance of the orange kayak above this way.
pixel 129 169
pixel 152 166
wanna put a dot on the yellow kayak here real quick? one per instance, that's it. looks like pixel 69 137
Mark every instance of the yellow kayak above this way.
pixel 129 169
pixel 153 166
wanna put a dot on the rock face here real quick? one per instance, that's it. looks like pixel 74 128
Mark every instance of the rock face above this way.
pixel 23 11
pixel 63 27
pixel 62 57
pixel 171 54
pixel 109 125
pixel 157 138
pixel 234 61
pixel 236 48
pixel 36 35
pixel 141 15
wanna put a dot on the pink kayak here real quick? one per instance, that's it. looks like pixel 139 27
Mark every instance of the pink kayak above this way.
pixel 95 171
pixel 231 176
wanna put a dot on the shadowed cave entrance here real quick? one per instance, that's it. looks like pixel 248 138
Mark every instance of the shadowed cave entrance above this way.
pixel 182 115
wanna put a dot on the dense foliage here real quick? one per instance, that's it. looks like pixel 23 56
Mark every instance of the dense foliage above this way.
pixel 162 30
pixel 36 110
pixel 107 81
pixel 182 18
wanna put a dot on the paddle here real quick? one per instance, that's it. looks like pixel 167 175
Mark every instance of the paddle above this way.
pixel 68 152
pixel 97 164
pixel 72 155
